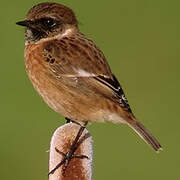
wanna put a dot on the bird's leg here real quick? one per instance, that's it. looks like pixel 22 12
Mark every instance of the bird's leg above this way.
pixel 70 154
pixel 69 120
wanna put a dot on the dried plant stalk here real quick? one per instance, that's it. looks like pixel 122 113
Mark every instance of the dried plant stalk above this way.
pixel 78 169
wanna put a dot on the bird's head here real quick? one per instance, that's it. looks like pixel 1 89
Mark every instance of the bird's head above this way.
pixel 47 20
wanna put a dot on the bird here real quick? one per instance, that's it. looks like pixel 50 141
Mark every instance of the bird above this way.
pixel 71 73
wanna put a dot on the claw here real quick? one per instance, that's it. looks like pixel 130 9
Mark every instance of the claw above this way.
pixel 66 159
pixel 80 156
pixel 57 150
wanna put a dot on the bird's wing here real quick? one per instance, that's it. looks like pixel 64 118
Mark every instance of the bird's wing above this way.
pixel 115 86
pixel 76 58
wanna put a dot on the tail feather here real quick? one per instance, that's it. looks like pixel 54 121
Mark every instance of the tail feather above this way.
pixel 145 135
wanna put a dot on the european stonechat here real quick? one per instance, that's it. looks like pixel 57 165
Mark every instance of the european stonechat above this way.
pixel 71 73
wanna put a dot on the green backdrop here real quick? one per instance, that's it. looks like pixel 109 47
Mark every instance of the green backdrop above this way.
pixel 141 41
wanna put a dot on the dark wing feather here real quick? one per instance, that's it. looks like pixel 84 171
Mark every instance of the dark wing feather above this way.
pixel 114 85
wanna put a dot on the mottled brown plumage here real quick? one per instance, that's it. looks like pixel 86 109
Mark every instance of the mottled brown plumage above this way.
pixel 71 73
pixel 65 14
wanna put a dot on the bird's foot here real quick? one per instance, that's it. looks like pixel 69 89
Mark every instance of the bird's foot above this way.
pixel 67 157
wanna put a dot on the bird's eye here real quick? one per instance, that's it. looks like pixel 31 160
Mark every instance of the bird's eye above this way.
pixel 48 22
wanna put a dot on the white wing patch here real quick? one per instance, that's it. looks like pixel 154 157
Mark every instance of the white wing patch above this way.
pixel 83 73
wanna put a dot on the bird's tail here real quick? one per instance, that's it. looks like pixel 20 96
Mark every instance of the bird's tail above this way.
pixel 145 135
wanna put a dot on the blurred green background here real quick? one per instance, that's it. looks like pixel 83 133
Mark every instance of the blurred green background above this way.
pixel 141 40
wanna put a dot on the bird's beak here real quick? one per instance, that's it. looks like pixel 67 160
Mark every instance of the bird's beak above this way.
pixel 25 23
